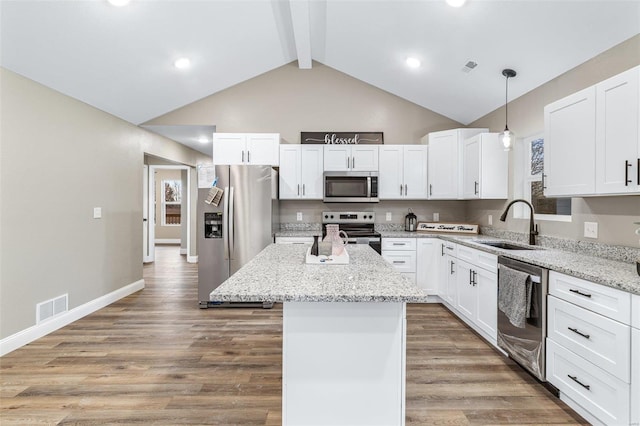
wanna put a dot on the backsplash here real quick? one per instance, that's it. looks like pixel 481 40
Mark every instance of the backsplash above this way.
pixel 606 251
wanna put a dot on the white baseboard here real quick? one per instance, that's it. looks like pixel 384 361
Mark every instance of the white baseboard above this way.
pixel 183 251
pixel 192 259
pixel 28 335
pixel 167 240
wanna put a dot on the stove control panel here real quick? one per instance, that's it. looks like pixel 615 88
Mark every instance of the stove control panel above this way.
pixel 348 217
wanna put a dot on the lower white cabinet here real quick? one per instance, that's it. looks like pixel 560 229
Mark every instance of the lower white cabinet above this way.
pixel 635 360
pixel 401 254
pixel 428 264
pixel 590 353
pixel 294 240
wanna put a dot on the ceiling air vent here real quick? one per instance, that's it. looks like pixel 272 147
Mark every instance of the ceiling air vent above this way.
pixel 469 66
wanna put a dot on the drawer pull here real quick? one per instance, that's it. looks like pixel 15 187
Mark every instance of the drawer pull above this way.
pixel 399 261
pixel 399 244
pixel 575 379
pixel 580 293
pixel 575 330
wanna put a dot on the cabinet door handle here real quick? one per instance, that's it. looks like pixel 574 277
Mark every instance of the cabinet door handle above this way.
pixel 353 162
pixel 627 181
pixel 243 156
pixel 430 189
pixel 248 156
pixel 575 379
pixel 399 244
pixel 544 185
pixel 400 189
pixel 298 189
pixel 575 330
pixel 579 292
pixel 475 188
pixel 475 278
pixel 398 261
pixel 470 277
pixel 452 272
pixel 638 171
pixel 442 250
pixel 405 189
pixel 303 189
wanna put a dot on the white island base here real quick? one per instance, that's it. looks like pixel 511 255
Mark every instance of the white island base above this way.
pixel 343 363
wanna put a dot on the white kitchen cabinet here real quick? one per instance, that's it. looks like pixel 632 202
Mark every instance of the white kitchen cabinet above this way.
pixel 635 360
pixel 485 168
pixel 403 172
pixel 592 144
pixel 617 134
pixel 446 271
pixel 401 254
pixel 444 164
pixel 353 158
pixel 428 264
pixel 246 148
pixel 301 172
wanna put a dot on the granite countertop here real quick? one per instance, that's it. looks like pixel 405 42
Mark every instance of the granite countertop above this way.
pixel 279 274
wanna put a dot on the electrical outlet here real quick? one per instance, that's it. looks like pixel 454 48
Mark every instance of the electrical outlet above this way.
pixel 490 219
pixel 97 212
pixel 436 217
pixel 591 229
pixel 299 216
pixel 388 216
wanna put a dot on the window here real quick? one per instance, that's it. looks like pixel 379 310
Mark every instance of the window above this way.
pixel 171 202
pixel 529 178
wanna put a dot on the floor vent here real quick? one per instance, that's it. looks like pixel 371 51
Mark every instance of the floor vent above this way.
pixel 51 308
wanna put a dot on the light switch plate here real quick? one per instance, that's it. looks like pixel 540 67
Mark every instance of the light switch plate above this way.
pixel 299 216
pixel 591 229
pixel 388 216
pixel 490 219
pixel 436 217
pixel 97 212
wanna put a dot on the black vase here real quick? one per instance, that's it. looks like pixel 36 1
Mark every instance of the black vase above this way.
pixel 638 266
pixel 314 247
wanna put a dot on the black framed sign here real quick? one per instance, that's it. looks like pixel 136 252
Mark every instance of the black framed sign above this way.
pixel 342 138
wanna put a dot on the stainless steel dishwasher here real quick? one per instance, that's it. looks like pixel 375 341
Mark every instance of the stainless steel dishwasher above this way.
pixel 526 345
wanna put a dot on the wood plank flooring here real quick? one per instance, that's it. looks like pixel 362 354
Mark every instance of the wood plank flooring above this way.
pixel 156 358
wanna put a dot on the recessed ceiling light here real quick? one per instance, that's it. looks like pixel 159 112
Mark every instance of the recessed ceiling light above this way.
pixel 119 3
pixel 182 63
pixel 413 62
pixel 203 139
pixel 456 3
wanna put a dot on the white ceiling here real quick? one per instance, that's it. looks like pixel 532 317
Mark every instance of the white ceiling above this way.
pixel 120 60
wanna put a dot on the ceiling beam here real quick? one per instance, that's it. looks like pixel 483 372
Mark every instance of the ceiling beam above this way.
pixel 301 24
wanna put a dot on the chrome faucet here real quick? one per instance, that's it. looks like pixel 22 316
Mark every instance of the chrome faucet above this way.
pixel 532 231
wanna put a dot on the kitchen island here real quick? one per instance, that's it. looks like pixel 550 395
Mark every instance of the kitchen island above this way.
pixel 344 333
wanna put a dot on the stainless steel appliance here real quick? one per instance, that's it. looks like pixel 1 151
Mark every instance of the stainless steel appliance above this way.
pixel 359 226
pixel 350 187
pixel 232 233
pixel 525 345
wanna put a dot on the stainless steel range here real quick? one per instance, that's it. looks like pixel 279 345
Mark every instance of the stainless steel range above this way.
pixel 359 226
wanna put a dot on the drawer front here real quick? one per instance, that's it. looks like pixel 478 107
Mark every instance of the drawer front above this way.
pixel 606 301
pixel 402 261
pixel 466 253
pixel 635 311
pixel 398 244
pixel 478 258
pixel 598 392
pixel 449 248
pixel 601 340
pixel 294 240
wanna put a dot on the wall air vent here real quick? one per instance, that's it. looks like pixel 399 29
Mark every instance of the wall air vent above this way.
pixel 52 307
pixel 469 66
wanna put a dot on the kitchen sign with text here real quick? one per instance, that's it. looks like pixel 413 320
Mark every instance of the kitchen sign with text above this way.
pixel 342 138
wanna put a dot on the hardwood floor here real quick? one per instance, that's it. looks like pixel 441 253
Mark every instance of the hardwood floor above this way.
pixel 156 358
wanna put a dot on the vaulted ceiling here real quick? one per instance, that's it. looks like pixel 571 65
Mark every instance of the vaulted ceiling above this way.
pixel 120 59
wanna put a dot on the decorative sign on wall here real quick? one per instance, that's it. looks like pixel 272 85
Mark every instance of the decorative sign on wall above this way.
pixel 447 227
pixel 342 138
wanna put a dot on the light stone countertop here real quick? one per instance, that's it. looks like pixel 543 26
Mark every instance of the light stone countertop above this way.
pixel 279 274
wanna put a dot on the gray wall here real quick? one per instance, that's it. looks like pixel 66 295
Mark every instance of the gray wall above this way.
pixel 59 158
pixel 615 215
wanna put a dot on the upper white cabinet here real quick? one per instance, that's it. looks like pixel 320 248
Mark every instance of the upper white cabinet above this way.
pixel 592 144
pixel 403 172
pixel 617 136
pixel 445 162
pixel 485 168
pixel 301 172
pixel 246 148
pixel 354 158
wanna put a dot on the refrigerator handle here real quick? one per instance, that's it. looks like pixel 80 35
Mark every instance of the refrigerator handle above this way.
pixel 225 227
pixel 231 232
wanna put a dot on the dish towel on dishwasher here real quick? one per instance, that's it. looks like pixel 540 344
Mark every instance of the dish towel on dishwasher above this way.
pixel 514 295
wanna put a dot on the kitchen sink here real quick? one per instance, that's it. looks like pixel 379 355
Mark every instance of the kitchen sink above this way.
pixel 507 246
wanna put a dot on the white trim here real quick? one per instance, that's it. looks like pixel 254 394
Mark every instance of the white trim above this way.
pixel 183 251
pixel 28 335
pixel 168 240
pixel 192 259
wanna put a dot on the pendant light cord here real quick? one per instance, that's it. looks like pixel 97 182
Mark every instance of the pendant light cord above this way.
pixel 506 105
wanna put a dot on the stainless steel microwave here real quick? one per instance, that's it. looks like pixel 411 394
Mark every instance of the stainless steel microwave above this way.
pixel 351 187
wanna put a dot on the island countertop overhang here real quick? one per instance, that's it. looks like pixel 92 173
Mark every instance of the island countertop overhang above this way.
pixel 279 274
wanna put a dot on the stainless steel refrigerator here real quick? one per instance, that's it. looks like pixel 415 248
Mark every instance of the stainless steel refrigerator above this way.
pixel 243 223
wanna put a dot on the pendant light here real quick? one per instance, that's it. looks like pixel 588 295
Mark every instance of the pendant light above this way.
pixel 507 137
